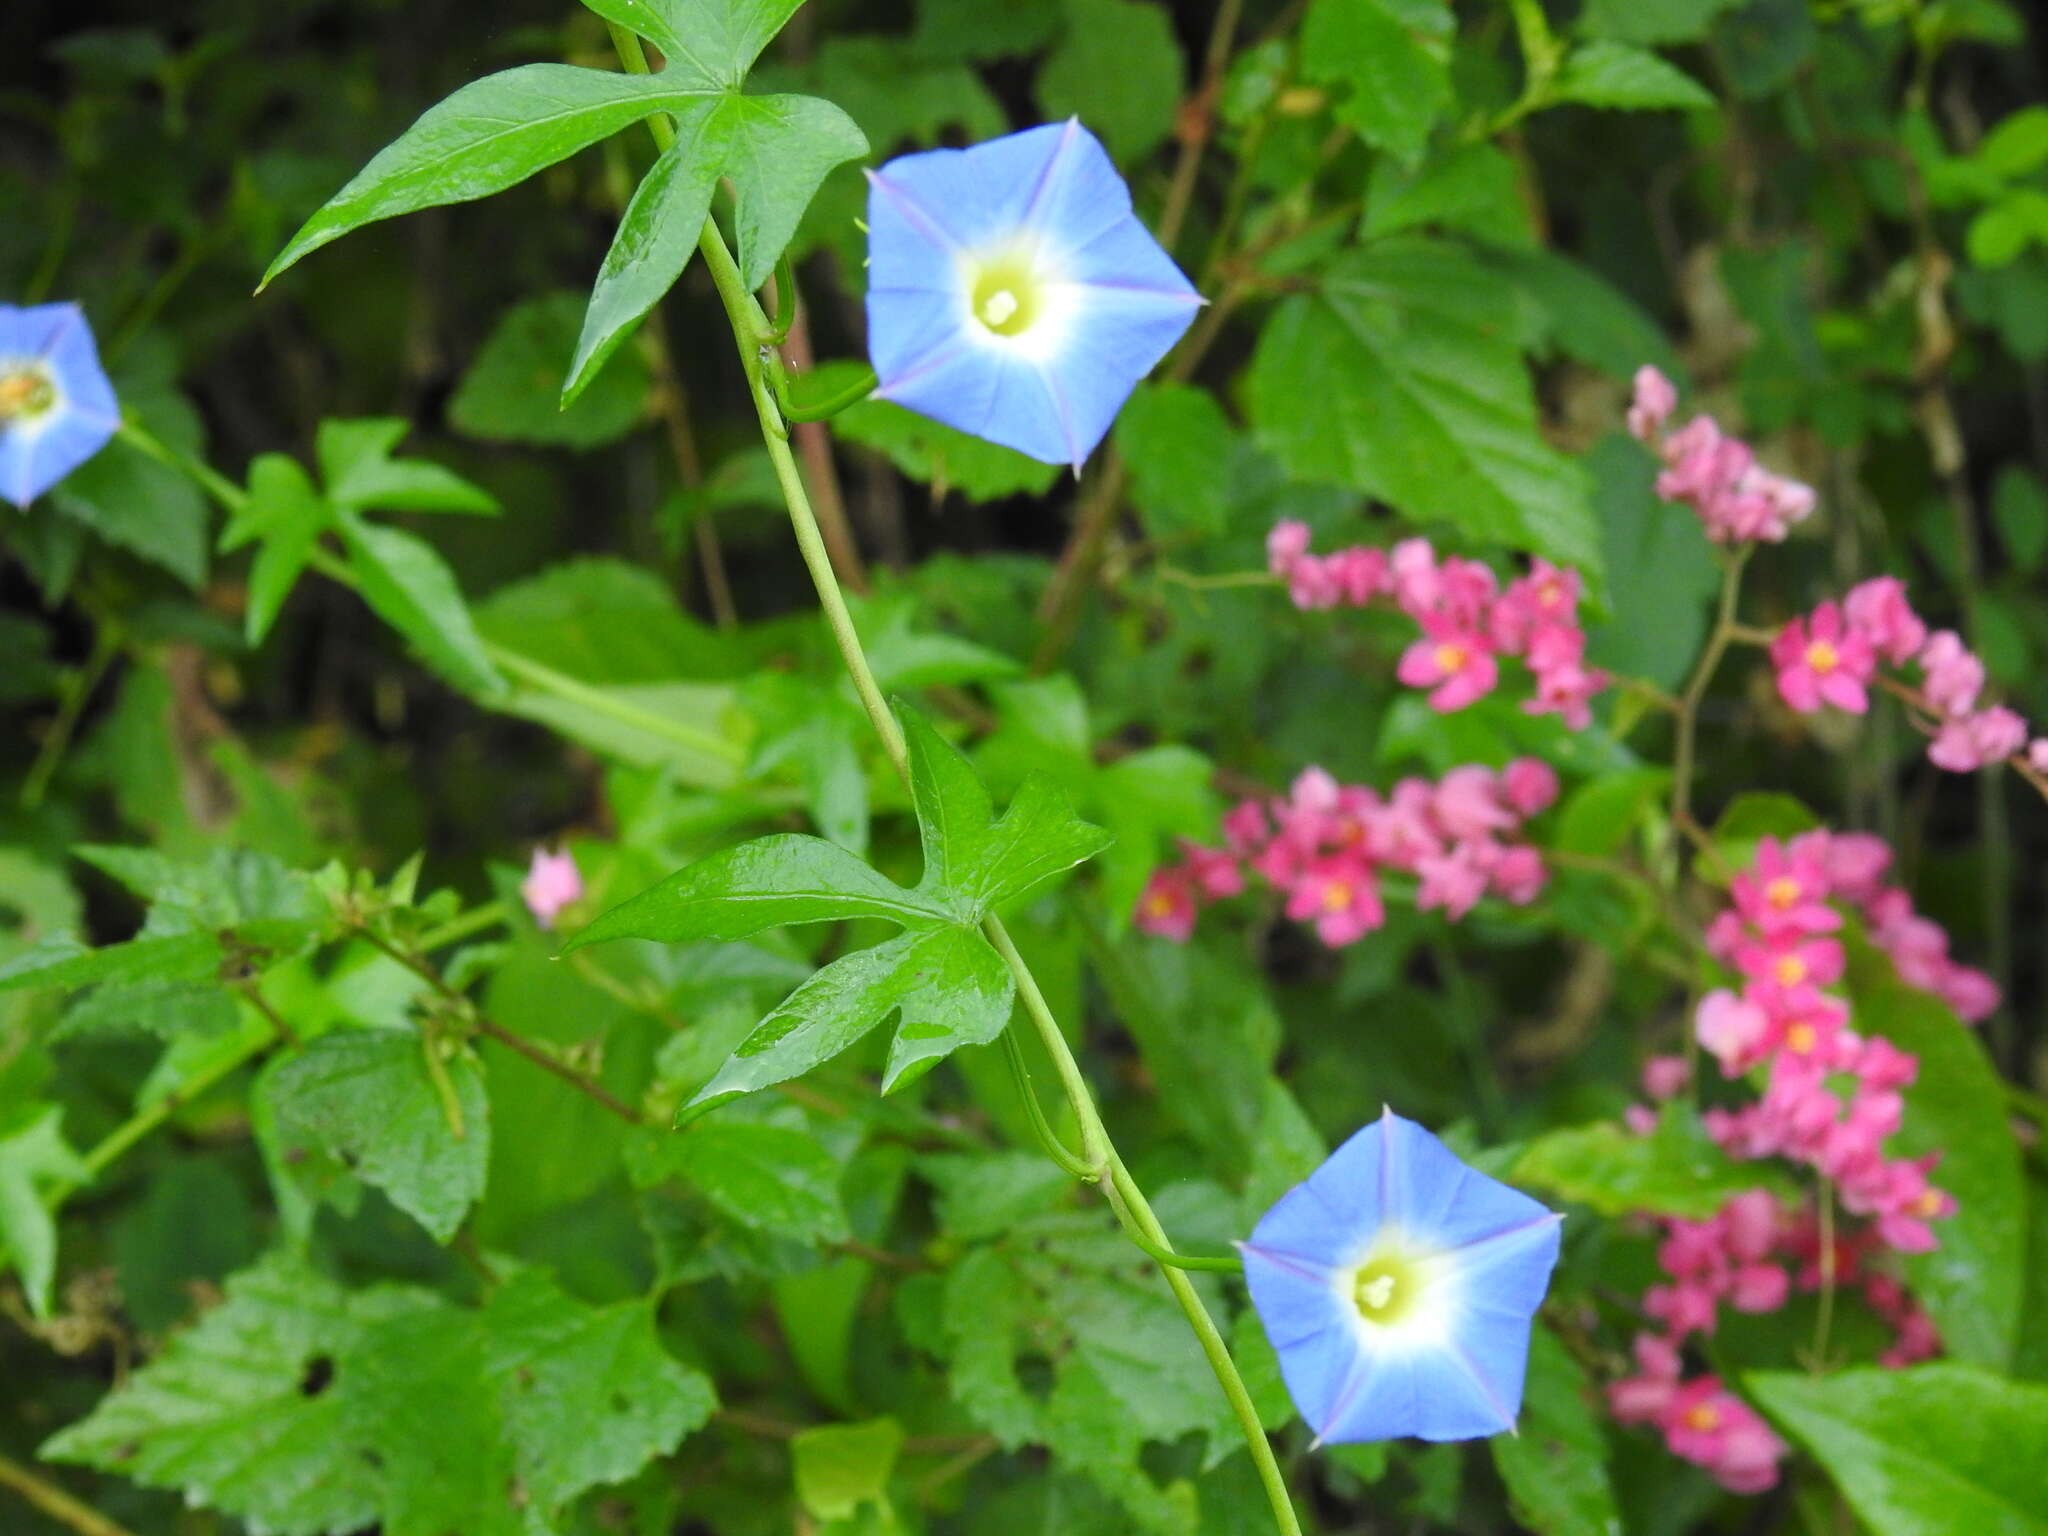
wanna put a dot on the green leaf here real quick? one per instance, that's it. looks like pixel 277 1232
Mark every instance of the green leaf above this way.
pixel 131 498
pixel 766 883
pixel 1654 21
pixel 840 1467
pixel 235 1411
pixel 2019 505
pixel 1922 1452
pixel 286 512
pixel 412 590
pixel 1178 446
pixel 1674 1171
pixel 1118 69
pixel 588 1393
pixel 1402 379
pixel 1584 316
pixel 1475 189
pixel 716 41
pixel 512 390
pixel 969 855
pixel 490 135
pixel 1661 571
pixel 950 987
pixel 986 1194
pixel 64 963
pixel 1606 74
pixel 359 472
pixel 306 1411
pixel 2017 145
pixel 1971 1284
pixel 367 1096
pixel 34 1157
pixel 656 236
pixel 1555 1464
pixel 773 1178
pixel 778 150
pixel 1394 57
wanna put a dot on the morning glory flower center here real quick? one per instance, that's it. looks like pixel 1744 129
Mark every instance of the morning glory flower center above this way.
pixel 1387 1287
pixel 26 392
pixel 1007 295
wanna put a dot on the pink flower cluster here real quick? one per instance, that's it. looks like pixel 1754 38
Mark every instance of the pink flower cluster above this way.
pixel 1831 655
pixel 1737 500
pixel 1326 845
pixel 1777 934
pixel 1751 1256
pixel 1468 620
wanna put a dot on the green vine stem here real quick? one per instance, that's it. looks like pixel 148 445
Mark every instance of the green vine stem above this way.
pixel 1133 1211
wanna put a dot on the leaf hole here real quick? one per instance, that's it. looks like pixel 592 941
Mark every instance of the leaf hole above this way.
pixel 319 1375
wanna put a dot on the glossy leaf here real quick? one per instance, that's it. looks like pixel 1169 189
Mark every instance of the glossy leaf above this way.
pixel 770 1177
pixel 1675 1170
pixel 413 591
pixel 490 135
pixel 34 1157
pixel 360 473
pixel 1606 74
pixel 1928 1451
pixel 949 986
pixel 1972 1282
pixel 1401 379
pixel 762 884
pixel 1391 58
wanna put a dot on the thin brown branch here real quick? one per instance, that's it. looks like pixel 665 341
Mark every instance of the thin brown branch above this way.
pixel 53 1501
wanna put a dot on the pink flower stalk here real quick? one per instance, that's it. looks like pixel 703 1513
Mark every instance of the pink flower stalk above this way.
pixel 1736 500
pixel 552 882
pixel 1822 660
pixel 1951 676
pixel 1467 621
pixel 1325 847
pixel 1878 611
pixel 1977 741
pixel 1654 400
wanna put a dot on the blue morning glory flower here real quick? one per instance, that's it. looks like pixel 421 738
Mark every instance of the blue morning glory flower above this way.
pixel 56 407
pixel 1013 294
pixel 1398 1285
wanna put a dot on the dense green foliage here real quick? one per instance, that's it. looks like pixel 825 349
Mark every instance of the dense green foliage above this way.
pixel 344 1189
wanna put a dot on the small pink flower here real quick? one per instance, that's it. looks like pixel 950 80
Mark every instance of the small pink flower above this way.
pixel 2037 754
pixel 1216 874
pixel 1360 574
pixel 1245 827
pixel 1452 661
pixel 1519 875
pixel 1340 897
pixel 1951 676
pixel 1821 660
pixel 1732 1029
pixel 1977 741
pixel 1877 609
pixel 1467 803
pixel 1286 545
pixel 1665 1077
pixel 1454 881
pixel 1784 892
pixel 1529 785
pixel 552 882
pixel 1791 961
pixel 1167 907
pixel 1654 400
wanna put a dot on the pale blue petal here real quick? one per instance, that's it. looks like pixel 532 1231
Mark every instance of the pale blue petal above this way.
pixel 1511 1269
pixel 1050 190
pixel 1117 339
pixel 1315 1222
pixel 32 459
pixel 1494 1344
pixel 1431 1396
pixel 30 463
pixel 972 197
pixel 1306 1322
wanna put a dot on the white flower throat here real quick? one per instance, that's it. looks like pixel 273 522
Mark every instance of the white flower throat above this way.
pixel 26 392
